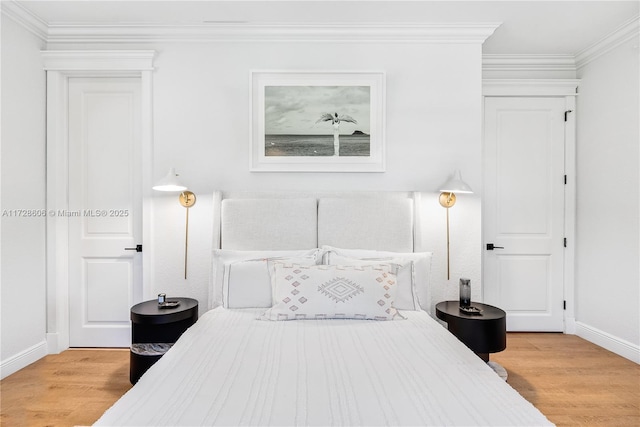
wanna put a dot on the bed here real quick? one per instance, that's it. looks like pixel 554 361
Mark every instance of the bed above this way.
pixel 319 315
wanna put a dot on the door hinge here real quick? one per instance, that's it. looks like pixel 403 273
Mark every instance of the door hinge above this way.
pixel 564 304
pixel 565 242
pixel 566 113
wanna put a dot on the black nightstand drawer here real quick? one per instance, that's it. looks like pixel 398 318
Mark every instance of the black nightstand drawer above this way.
pixel 167 332
pixel 139 364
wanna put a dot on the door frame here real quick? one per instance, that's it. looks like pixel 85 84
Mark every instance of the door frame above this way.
pixel 60 66
pixel 560 88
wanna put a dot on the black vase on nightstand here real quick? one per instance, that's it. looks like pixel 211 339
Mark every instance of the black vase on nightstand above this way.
pixel 465 292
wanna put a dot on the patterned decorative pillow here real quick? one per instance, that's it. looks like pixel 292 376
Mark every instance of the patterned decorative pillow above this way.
pixel 333 292
pixel 405 298
pixel 414 291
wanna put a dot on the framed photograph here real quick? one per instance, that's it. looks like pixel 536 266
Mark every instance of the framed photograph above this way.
pixel 317 121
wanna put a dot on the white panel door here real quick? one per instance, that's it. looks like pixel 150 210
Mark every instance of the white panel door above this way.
pixel 523 210
pixel 105 209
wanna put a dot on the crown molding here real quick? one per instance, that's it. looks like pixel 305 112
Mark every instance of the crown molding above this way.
pixel 242 32
pixel 87 33
pixel 507 62
pixel 530 87
pixel 24 17
pixel 98 60
pixel 622 34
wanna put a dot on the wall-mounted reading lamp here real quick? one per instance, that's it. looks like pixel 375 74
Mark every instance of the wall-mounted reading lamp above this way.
pixel 170 182
pixel 455 184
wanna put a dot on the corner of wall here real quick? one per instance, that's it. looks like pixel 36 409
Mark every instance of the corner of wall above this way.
pixel 53 343
pixel 570 325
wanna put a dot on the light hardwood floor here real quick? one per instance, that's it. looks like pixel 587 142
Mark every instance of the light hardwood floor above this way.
pixel 71 388
pixel 570 380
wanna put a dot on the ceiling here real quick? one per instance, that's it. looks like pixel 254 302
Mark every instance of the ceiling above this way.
pixel 528 27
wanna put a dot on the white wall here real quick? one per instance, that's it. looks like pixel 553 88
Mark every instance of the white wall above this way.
pixel 607 255
pixel 23 187
pixel 201 127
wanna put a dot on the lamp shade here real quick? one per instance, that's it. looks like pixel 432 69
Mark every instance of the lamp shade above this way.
pixel 170 182
pixel 455 184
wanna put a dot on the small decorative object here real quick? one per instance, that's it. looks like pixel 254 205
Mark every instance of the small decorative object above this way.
pixel 465 293
pixel 169 304
pixel 162 298
pixel 471 310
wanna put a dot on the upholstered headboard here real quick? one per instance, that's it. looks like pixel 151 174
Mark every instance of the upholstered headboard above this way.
pixel 299 220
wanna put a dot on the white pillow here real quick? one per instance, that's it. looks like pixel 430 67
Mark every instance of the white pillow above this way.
pixel 257 280
pixel 333 292
pixel 247 284
pixel 414 290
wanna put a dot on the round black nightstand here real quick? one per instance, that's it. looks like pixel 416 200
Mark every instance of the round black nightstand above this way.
pixel 155 329
pixel 484 333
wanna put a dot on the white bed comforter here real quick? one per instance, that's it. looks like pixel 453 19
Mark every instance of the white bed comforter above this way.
pixel 231 369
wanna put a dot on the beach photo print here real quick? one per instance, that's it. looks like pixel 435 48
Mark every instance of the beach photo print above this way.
pixel 317 122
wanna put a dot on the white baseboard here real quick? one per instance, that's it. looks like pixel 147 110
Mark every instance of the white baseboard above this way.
pixel 570 325
pixel 22 359
pixel 612 343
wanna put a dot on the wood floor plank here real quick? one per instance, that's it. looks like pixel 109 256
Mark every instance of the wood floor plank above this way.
pixel 571 381
pixel 71 388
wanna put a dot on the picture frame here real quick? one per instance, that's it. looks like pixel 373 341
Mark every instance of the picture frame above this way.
pixel 317 121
